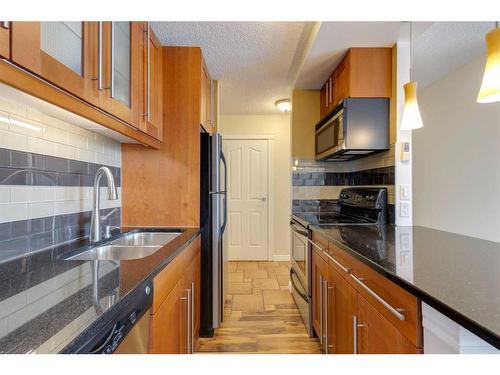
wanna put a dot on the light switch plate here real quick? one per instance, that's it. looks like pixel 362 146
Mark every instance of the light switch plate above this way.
pixel 404 192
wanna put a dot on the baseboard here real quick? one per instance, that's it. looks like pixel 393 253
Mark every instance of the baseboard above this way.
pixel 281 258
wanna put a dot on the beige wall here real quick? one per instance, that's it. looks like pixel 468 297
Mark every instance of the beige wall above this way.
pixel 279 127
pixel 456 157
pixel 305 115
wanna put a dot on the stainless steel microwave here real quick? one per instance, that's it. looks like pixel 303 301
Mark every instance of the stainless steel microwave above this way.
pixel 357 127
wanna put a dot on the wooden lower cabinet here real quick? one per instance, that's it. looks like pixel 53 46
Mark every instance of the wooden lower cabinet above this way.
pixel 168 331
pixel 376 335
pixel 342 307
pixel 175 321
pixel 345 321
pixel 319 276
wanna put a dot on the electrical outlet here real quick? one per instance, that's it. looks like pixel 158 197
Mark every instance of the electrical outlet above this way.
pixel 404 241
pixel 404 209
pixel 404 192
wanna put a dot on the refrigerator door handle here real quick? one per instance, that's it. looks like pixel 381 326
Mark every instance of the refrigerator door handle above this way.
pixel 223 159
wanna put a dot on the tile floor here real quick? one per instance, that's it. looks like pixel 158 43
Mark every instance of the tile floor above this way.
pixel 260 314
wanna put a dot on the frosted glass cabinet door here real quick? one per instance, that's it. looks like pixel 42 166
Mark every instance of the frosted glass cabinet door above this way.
pixel 121 35
pixel 122 44
pixel 64 42
pixel 62 53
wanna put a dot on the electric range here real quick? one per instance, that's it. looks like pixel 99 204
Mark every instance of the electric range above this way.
pixel 357 206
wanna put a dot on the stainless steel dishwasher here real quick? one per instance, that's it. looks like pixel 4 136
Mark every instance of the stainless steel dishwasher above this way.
pixel 137 340
pixel 122 329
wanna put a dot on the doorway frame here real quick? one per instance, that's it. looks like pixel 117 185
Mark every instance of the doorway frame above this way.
pixel 270 182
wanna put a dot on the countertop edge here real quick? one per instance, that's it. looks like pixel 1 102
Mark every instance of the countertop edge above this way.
pixel 104 319
pixel 474 327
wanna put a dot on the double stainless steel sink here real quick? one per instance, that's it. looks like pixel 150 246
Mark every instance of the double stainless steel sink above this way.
pixel 131 246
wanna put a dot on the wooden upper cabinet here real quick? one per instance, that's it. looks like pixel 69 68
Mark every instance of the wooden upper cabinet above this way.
pixel 121 54
pixel 341 78
pixel 376 335
pixel 206 100
pixel 63 53
pixel 362 73
pixel 5 39
pixel 150 118
pixel 370 72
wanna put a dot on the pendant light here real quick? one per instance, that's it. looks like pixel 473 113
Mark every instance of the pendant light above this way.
pixel 411 113
pixel 490 87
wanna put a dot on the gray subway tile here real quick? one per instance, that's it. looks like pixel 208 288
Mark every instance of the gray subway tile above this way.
pixel 55 164
pixel 20 159
pixel 5 156
pixel 42 178
pixel 5 231
pixel 68 179
pixel 20 228
pixel 80 167
pixel 10 176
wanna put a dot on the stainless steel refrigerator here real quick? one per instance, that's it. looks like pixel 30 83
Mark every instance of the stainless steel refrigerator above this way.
pixel 213 222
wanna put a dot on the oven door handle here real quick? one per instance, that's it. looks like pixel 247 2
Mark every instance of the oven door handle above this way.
pixel 302 234
pixel 304 297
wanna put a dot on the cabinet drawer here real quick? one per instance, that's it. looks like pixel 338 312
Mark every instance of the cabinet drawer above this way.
pixel 377 289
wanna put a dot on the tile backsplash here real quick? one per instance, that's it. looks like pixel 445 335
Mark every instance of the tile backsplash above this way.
pixel 47 168
pixel 316 185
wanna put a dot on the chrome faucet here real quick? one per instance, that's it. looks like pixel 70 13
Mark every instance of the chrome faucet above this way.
pixel 95 222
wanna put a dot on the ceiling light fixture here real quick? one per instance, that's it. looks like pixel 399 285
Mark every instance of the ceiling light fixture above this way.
pixel 490 87
pixel 411 113
pixel 283 105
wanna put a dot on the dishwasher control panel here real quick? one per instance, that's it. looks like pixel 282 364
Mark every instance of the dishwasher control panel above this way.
pixel 109 338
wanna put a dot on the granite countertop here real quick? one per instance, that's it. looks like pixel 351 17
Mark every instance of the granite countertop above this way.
pixel 457 275
pixel 47 303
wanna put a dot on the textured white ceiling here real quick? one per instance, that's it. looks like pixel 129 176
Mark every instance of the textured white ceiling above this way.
pixel 251 60
pixel 335 38
pixel 446 46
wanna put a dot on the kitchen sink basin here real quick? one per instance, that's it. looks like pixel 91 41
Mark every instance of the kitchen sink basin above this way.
pixel 145 239
pixel 131 246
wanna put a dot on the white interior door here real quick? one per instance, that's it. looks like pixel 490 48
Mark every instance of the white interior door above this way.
pixel 247 198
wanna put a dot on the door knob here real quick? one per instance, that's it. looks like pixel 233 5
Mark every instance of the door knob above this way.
pixel 263 199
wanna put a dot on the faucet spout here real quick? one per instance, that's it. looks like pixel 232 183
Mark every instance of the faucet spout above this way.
pixel 95 223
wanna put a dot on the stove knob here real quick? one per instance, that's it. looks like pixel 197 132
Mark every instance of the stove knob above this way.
pixel 108 350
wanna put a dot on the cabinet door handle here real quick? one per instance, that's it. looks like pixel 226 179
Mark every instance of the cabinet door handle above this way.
pixel 192 316
pixel 325 318
pixel 147 113
pixel 330 91
pixel 321 309
pixel 187 298
pixel 328 346
pixel 99 57
pixel 345 269
pixel 399 313
pixel 315 245
pixel 112 78
pixel 326 96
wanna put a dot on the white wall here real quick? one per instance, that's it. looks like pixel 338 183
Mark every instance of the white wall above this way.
pixel 279 126
pixel 456 157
